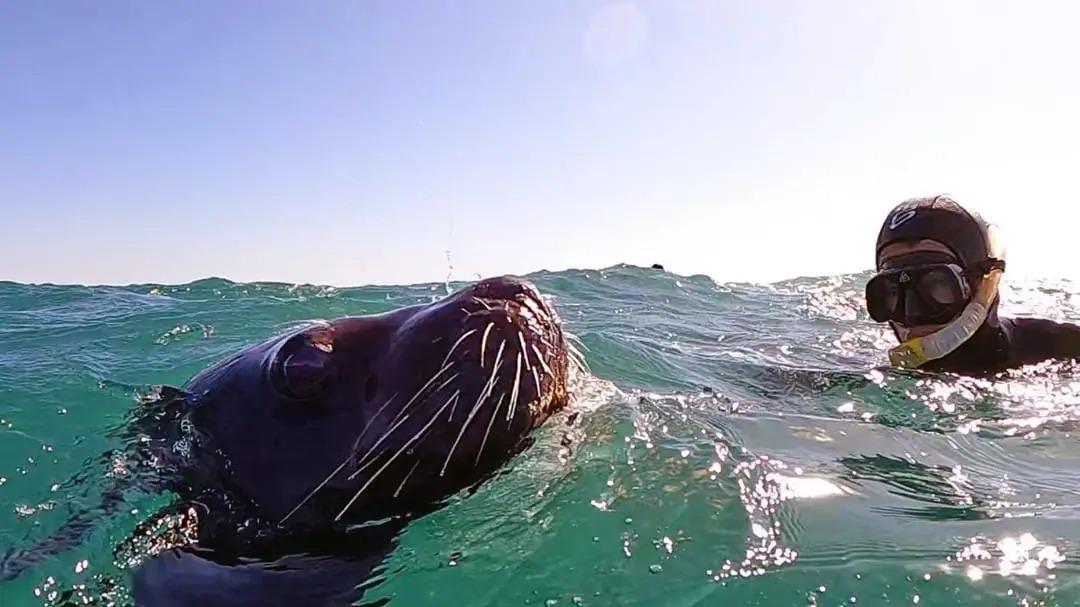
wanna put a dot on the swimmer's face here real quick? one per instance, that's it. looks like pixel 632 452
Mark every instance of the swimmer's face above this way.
pixel 893 255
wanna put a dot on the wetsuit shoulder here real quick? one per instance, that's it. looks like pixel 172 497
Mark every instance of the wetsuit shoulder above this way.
pixel 1038 339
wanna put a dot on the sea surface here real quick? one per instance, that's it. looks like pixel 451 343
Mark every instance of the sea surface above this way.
pixel 738 444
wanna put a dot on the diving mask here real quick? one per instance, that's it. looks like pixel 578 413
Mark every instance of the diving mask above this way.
pixel 928 294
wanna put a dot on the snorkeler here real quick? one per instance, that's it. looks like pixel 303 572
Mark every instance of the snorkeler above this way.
pixel 938 268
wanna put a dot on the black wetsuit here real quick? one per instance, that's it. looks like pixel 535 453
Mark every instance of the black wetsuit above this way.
pixel 1006 343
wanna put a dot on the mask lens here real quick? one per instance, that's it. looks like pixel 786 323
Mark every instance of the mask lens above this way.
pixel 941 286
pixel 882 296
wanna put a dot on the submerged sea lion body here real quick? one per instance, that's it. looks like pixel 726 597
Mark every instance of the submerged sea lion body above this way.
pixel 300 458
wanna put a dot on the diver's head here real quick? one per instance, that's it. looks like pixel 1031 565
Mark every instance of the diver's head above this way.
pixel 937 271
pixel 919 288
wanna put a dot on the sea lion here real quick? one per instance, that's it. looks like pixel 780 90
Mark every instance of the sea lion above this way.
pixel 323 442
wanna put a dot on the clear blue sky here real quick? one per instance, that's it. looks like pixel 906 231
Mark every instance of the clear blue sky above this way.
pixel 357 142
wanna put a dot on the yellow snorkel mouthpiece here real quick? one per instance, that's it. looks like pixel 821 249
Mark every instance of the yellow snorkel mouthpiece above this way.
pixel 908 355
pixel 917 352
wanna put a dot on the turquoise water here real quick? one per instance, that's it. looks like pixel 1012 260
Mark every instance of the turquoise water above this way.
pixel 737 444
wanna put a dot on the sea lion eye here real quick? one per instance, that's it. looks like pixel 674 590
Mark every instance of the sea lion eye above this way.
pixel 303 366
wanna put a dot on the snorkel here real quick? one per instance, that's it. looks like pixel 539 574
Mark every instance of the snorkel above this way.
pixel 918 351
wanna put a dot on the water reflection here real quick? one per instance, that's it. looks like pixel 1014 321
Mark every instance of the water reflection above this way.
pixel 947 490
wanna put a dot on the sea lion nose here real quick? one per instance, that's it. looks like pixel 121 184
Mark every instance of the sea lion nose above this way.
pixel 506 288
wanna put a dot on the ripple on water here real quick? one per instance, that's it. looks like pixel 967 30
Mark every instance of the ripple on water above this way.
pixel 806 473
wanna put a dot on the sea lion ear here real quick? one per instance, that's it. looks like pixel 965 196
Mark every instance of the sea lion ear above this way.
pixel 303 366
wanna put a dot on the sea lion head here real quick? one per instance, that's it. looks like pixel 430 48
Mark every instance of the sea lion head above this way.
pixel 370 416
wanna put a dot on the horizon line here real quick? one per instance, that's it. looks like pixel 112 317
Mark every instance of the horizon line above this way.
pixel 448 280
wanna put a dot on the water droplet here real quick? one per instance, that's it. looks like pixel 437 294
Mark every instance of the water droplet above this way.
pixel 655 569
pixel 915 599
pixel 669 545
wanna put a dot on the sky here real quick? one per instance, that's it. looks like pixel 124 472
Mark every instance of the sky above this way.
pixel 375 141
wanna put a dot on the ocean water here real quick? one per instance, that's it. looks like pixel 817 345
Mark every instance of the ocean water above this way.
pixel 737 444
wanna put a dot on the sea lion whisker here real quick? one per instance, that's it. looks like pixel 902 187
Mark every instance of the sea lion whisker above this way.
pixel 548 344
pixel 524 351
pixel 577 340
pixel 482 302
pixel 574 359
pixel 483 395
pixel 446 383
pixel 536 379
pixel 575 364
pixel 405 408
pixel 585 366
pixel 581 364
pixel 483 342
pixel 540 357
pixel 456 344
pixel 342 464
pixel 364 462
pixel 474 313
pixel 491 423
pixel 407 477
pixel 378 412
pixel 391 460
pixel 453 408
pixel 576 355
pixel 402 415
pixel 514 394
pixel 315 490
